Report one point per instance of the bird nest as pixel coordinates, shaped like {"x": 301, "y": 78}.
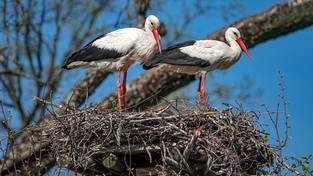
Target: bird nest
{"x": 211, "y": 142}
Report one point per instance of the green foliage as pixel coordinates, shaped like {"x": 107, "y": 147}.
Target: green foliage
{"x": 302, "y": 163}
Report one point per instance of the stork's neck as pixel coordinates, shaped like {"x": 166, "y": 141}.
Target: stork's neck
{"x": 148, "y": 31}
{"x": 235, "y": 50}
{"x": 147, "y": 28}
{"x": 233, "y": 44}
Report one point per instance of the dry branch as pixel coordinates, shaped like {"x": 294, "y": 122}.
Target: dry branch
{"x": 84, "y": 87}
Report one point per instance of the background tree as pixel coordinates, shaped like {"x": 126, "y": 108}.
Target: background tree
{"x": 37, "y": 34}
{"x": 30, "y": 57}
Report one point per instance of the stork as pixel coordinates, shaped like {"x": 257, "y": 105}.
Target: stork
{"x": 201, "y": 56}
{"x": 117, "y": 50}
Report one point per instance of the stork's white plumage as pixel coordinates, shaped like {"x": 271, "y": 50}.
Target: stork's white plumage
{"x": 117, "y": 50}
{"x": 201, "y": 56}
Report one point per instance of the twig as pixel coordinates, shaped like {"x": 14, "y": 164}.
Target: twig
{"x": 164, "y": 109}
{"x": 174, "y": 163}
{"x": 278, "y": 159}
{"x": 37, "y": 99}
{"x": 191, "y": 145}
{"x": 176, "y": 128}
{"x": 119, "y": 133}
{"x": 184, "y": 161}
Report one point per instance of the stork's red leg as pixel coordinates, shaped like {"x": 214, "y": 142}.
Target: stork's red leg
{"x": 118, "y": 86}
{"x": 203, "y": 78}
{"x": 199, "y": 91}
{"x": 124, "y": 90}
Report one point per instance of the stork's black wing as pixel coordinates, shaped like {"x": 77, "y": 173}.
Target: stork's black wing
{"x": 174, "y": 56}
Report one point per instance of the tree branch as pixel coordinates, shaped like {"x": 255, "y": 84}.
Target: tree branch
{"x": 84, "y": 87}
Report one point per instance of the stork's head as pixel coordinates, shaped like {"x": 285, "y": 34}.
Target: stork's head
{"x": 234, "y": 34}
{"x": 152, "y": 23}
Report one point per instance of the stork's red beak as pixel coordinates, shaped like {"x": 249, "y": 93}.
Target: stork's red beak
{"x": 157, "y": 39}
{"x": 243, "y": 47}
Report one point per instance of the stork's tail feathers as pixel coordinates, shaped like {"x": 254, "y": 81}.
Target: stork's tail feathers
{"x": 64, "y": 66}
{"x": 146, "y": 67}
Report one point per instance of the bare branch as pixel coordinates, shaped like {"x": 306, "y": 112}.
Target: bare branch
{"x": 84, "y": 87}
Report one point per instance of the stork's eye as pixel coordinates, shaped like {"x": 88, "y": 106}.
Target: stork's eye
{"x": 151, "y": 23}
{"x": 236, "y": 34}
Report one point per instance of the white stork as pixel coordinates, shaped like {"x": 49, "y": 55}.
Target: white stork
{"x": 201, "y": 56}
{"x": 117, "y": 50}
